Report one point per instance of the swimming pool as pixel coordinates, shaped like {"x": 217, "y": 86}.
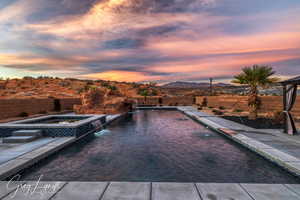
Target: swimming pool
{"x": 158, "y": 146}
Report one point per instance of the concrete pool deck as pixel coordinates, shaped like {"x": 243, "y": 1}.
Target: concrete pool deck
{"x": 146, "y": 191}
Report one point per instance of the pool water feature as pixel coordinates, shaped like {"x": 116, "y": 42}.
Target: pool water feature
{"x": 158, "y": 146}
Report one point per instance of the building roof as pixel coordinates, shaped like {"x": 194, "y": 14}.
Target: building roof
{"x": 295, "y": 80}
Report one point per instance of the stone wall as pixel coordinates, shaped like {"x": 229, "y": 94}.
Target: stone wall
{"x": 165, "y": 101}
{"x": 67, "y": 104}
{"x": 147, "y": 100}
{"x": 14, "y": 107}
{"x": 178, "y": 101}
{"x": 268, "y": 103}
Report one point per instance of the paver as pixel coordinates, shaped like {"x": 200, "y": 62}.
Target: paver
{"x": 174, "y": 191}
{"x": 222, "y": 191}
{"x": 36, "y": 191}
{"x": 127, "y": 191}
{"x": 294, "y": 187}
{"x": 255, "y": 144}
{"x": 8, "y": 187}
{"x": 270, "y": 192}
{"x": 81, "y": 190}
{"x": 19, "y": 139}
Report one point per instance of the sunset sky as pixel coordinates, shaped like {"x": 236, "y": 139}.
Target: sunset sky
{"x": 148, "y": 40}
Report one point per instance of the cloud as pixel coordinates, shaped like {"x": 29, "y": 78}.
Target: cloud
{"x": 121, "y": 76}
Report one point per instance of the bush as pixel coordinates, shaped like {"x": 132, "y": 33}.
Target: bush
{"x": 278, "y": 117}
{"x": 81, "y": 90}
{"x": 154, "y": 93}
{"x": 237, "y": 110}
{"x": 222, "y": 108}
{"x": 204, "y": 102}
{"x": 217, "y": 112}
{"x": 23, "y": 114}
{"x": 210, "y": 107}
{"x": 112, "y": 87}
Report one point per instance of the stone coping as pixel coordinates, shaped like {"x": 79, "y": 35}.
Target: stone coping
{"x": 146, "y": 191}
{"x": 17, "y": 124}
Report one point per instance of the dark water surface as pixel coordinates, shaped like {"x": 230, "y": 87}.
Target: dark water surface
{"x": 158, "y": 146}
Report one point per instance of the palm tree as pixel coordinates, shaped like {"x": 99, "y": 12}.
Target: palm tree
{"x": 254, "y": 77}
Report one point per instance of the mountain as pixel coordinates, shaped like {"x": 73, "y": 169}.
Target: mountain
{"x": 183, "y": 84}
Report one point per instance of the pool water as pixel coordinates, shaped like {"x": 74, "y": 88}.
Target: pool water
{"x": 158, "y": 146}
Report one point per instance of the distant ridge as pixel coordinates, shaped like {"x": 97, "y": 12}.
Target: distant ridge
{"x": 183, "y": 84}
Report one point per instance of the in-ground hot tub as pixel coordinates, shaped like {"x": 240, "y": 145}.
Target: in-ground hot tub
{"x": 56, "y": 125}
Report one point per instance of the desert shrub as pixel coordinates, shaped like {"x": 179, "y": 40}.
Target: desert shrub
{"x": 90, "y": 83}
{"x": 135, "y": 85}
{"x": 104, "y": 84}
{"x": 237, "y": 110}
{"x": 112, "y": 87}
{"x": 81, "y": 90}
{"x": 143, "y": 92}
{"x": 204, "y": 102}
{"x": 217, "y": 112}
{"x": 278, "y": 117}
{"x": 154, "y": 93}
{"x": 23, "y": 114}
{"x": 222, "y": 108}
{"x": 28, "y": 77}
{"x": 90, "y": 87}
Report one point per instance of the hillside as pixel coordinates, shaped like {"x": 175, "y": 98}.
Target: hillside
{"x": 48, "y": 87}
{"x": 182, "y": 84}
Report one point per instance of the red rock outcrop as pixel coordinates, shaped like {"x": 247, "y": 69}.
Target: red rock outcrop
{"x": 103, "y": 101}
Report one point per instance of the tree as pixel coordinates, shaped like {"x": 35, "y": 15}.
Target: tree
{"x": 255, "y": 77}
{"x": 144, "y": 93}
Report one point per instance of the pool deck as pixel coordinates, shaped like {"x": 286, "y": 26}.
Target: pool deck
{"x": 146, "y": 191}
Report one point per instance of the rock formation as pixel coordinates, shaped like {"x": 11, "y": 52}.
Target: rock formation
{"x": 103, "y": 101}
